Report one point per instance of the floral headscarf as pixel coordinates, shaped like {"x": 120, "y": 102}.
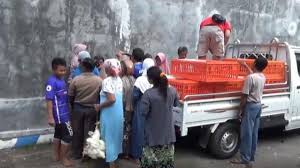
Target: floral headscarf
{"x": 114, "y": 65}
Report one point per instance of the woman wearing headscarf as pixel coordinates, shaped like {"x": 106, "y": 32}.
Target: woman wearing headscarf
{"x": 162, "y": 62}
{"x": 77, "y": 71}
{"x": 75, "y": 51}
{"x": 74, "y": 58}
{"x": 128, "y": 84}
{"x": 111, "y": 107}
{"x": 141, "y": 85}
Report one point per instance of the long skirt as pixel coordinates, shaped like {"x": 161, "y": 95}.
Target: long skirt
{"x": 158, "y": 157}
{"x": 137, "y": 134}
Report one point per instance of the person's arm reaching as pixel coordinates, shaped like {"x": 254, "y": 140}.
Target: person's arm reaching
{"x": 226, "y": 36}
{"x": 244, "y": 64}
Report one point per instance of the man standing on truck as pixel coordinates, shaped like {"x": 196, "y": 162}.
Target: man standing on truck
{"x": 213, "y": 36}
{"x": 250, "y": 111}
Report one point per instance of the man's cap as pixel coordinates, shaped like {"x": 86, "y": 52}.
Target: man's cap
{"x": 83, "y": 55}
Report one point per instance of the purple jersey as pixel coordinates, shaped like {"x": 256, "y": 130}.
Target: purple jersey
{"x": 138, "y": 69}
{"x": 56, "y": 91}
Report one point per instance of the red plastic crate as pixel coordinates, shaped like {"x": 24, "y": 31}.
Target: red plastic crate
{"x": 205, "y": 70}
{"x": 232, "y": 86}
{"x": 275, "y": 71}
{"x": 188, "y": 87}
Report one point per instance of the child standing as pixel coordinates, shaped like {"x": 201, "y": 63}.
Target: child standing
{"x": 182, "y": 52}
{"x": 58, "y": 111}
{"x": 250, "y": 111}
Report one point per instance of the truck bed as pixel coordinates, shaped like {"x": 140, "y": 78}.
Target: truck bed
{"x": 196, "y": 113}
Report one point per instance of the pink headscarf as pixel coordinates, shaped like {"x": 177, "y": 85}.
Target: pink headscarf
{"x": 76, "y": 50}
{"x": 164, "y": 63}
{"x": 114, "y": 65}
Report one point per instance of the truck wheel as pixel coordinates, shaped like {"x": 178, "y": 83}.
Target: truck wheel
{"x": 224, "y": 142}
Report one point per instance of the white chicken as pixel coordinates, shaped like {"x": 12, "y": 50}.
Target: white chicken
{"x": 94, "y": 147}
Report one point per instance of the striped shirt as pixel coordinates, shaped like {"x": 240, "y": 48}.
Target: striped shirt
{"x": 56, "y": 91}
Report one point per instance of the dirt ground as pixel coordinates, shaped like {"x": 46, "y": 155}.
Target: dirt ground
{"x": 275, "y": 150}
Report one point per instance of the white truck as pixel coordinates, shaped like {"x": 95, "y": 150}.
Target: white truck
{"x": 215, "y": 118}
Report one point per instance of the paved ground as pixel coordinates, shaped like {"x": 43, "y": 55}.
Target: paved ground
{"x": 276, "y": 150}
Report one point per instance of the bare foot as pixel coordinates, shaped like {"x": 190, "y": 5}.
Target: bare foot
{"x": 67, "y": 162}
{"x": 125, "y": 157}
{"x": 136, "y": 162}
{"x": 112, "y": 165}
{"x": 56, "y": 150}
{"x": 56, "y": 158}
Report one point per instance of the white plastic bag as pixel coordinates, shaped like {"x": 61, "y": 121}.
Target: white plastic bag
{"x": 94, "y": 147}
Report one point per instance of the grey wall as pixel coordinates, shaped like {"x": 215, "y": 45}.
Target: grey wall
{"x": 32, "y": 32}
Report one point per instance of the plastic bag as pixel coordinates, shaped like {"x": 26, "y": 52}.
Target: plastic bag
{"x": 94, "y": 147}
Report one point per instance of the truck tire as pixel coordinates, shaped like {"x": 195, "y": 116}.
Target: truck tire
{"x": 224, "y": 142}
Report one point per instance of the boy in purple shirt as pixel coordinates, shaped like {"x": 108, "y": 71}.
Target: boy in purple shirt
{"x": 58, "y": 111}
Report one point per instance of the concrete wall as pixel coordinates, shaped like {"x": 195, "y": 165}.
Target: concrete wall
{"x": 32, "y": 32}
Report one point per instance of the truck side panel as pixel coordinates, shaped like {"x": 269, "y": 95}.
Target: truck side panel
{"x": 213, "y": 111}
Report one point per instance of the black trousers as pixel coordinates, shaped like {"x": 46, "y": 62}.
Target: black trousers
{"x": 83, "y": 121}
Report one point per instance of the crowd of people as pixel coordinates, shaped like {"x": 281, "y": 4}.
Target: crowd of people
{"x": 128, "y": 94}
{"x": 131, "y": 97}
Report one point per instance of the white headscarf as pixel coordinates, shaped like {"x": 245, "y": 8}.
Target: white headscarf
{"x": 142, "y": 82}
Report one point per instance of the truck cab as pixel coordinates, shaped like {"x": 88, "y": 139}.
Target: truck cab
{"x": 293, "y": 116}
{"x": 214, "y": 117}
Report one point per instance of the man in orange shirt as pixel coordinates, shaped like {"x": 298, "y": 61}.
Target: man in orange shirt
{"x": 213, "y": 36}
